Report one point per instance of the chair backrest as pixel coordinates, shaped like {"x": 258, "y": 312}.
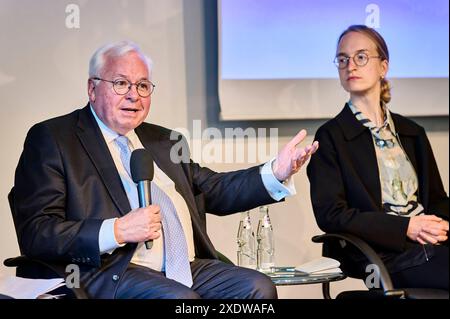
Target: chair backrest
{"x": 223, "y": 258}
{"x": 341, "y": 250}
{"x": 342, "y": 241}
{"x": 11, "y": 197}
{"x": 338, "y": 241}
{"x": 12, "y": 207}
{"x": 37, "y": 269}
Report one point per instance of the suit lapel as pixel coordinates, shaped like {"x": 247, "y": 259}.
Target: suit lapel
{"x": 364, "y": 157}
{"x": 362, "y": 152}
{"x": 159, "y": 147}
{"x": 407, "y": 135}
{"x": 95, "y": 146}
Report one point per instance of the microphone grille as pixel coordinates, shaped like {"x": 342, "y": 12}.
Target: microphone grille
{"x": 141, "y": 165}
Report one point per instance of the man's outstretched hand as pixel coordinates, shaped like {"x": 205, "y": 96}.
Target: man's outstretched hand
{"x": 291, "y": 158}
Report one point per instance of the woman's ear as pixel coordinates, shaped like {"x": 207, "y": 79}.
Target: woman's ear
{"x": 384, "y": 68}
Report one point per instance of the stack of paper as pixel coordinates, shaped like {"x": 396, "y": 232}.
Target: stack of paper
{"x": 322, "y": 265}
{"x": 24, "y": 288}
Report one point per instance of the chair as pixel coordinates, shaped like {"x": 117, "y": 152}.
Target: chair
{"x": 337, "y": 242}
{"x": 37, "y": 269}
{"x": 223, "y": 258}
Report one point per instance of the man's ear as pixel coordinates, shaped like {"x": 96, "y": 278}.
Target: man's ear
{"x": 91, "y": 90}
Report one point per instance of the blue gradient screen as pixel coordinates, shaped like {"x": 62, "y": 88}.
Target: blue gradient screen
{"x": 296, "y": 39}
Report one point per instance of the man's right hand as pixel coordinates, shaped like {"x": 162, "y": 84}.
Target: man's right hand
{"x": 427, "y": 229}
{"x": 139, "y": 225}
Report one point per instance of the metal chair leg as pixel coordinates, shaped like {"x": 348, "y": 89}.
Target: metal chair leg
{"x": 326, "y": 290}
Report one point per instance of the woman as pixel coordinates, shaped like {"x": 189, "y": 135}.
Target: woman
{"x": 382, "y": 181}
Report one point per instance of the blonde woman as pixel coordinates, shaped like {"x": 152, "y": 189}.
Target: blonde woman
{"x": 382, "y": 181}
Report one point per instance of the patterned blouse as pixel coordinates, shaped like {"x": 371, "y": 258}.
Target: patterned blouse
{"x": 398, "y": 178}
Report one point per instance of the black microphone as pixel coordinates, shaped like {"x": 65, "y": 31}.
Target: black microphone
{"x": 141, "y": 169}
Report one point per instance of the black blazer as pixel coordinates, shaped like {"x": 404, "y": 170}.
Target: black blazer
{"x": 66, "y": 184}
{"x": 346, "y": 190}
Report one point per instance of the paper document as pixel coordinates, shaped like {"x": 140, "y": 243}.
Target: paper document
{"x": 322, "y": 265}
{"x": 24, "y": 288}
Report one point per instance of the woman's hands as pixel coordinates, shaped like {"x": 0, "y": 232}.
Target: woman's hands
{"x": 427, "y": 229}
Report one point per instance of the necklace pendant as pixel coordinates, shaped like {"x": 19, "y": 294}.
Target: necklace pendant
{"x": 381, "y": 143}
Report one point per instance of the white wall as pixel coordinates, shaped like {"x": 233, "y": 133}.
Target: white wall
{"x": 44, "y": 69}
{"x": 43, "y": 73}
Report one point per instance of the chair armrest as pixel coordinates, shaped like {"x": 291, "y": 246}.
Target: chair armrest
{"x": 223, "y": 258}
{"x": 24, "y": 261}
{"x": 369, "y": 253}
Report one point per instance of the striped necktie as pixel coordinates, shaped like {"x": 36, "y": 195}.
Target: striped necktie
{"x": 125, "y": 152}
{"x": 175, "y": 246}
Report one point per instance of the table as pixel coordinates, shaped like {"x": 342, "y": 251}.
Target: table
{"x": 287, "y": 276}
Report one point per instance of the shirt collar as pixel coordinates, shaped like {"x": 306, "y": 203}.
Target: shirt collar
{"x": 388, "y": 122}
{"x": 109, "y": 134}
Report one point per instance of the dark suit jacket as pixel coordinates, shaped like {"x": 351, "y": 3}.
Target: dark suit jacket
{"x": 346, "y": 190}
{"x": 66, "y": 184}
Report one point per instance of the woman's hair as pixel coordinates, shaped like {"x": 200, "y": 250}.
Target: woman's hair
{"x": 117, "y": 49}
{"x": 382, "y": 50}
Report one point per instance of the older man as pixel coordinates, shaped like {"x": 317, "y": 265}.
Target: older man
{"x": 75, "y": 201}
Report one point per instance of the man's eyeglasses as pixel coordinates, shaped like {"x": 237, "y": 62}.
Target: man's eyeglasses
{"x": 360, "y": 59}
{"x": 122, "y": 86}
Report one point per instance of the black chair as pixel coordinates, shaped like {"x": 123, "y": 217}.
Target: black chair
{"x": 223, "y": 258}
{"x": 337, "y": 242}
{"x": 37, "y": 269}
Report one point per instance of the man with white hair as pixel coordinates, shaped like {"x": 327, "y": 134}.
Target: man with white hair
{"x": 75, "y": 201}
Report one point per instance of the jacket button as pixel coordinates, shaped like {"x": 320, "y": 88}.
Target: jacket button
{"x": 115, "y": 277}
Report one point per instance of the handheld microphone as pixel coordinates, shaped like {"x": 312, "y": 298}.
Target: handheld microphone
{"x": 141, "y": 169}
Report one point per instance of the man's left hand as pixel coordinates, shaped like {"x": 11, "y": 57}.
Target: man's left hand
{"x": 290, "y": 159}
